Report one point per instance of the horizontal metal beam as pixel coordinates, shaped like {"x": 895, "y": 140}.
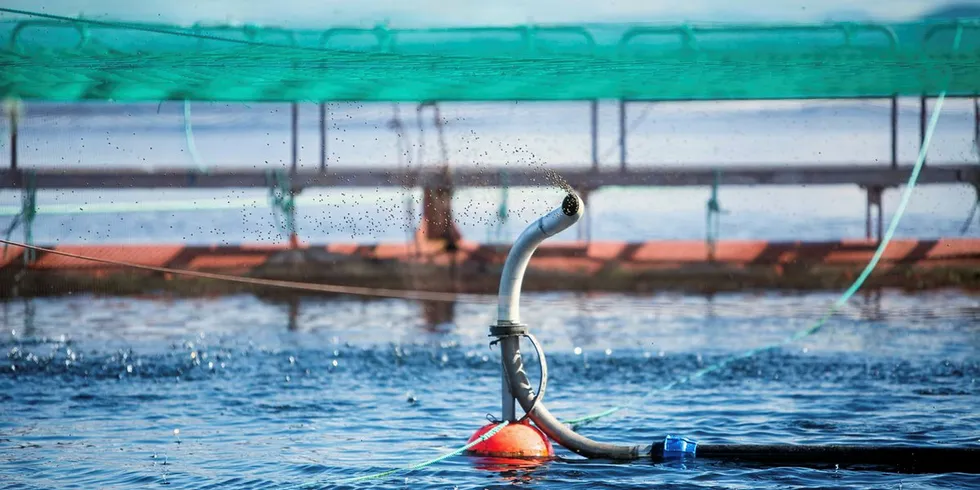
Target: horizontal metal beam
{"x": 578, "y": 176}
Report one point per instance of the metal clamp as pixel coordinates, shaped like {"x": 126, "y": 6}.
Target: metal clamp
{"x": 502, "y": 330}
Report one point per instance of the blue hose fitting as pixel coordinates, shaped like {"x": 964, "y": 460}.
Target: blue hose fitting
{"x": 675, "y": 447}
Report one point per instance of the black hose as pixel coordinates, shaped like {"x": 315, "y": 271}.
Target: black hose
{"x": 543, "y": 383}
{"x": 906, "y": 459}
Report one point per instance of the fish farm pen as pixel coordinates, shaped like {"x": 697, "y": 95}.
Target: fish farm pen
{"x": 910, "y": 60}
{"x": 51, "y": 63}
{"x": 444, "y": 260}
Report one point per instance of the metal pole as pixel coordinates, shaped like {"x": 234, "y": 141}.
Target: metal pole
{"x": 894, "y": 131}
{"x": 13, "y": 137}
{"x": 922, "y": 124}
{"x": 867, "y": 215}
{"x": 881, "y": 214}
{"x": 595, "y": 135}
{"x": 293, "y": 238}
{"x": 508, "y": 407}
{"x": 511, "y": 280}
{"x": 323, "y": 137}
{"x": 622, "y": 135}
{"x": 437, "y": 120}
{"x": 976, "y": 125}
{"x": 295, "y": 131}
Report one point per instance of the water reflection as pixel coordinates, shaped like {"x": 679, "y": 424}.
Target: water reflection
{"x": 438, "y": 316}
{"x": 293, "y": 313}
{"x": 583, "y": 324}
{"x": 871, "y": 306}
{"x": 30, "y": 327}
{"x": 709, "y": 310}
{"x": 511, "y": 470}
{"x": 28, "y": 324}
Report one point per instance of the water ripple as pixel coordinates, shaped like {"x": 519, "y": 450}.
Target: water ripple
{"x": 210, "y": 402}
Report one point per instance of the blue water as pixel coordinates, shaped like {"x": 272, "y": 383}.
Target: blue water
{"x": 223, "y": 392}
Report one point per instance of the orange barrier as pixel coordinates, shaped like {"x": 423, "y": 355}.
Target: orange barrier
{"x": 578, "y": 258}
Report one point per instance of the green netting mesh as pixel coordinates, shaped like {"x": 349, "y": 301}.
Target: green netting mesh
{"x": 56, "y": 58}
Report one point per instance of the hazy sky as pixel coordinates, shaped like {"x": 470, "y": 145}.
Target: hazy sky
{"x": 462, "y": 12}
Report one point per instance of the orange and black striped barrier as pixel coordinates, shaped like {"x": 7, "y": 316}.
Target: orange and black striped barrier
{"x": 474, "y": 268}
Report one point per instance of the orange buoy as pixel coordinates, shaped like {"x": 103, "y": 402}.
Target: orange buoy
{"x": 516, "y": 440}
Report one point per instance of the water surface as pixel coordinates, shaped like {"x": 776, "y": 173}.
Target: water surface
{"x": 228, "y": 392}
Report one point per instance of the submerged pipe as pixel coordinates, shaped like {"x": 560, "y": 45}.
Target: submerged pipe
{"x": 516, "y": 385}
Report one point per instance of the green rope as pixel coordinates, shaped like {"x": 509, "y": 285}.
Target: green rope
{"x": 973, "y": 211}
{"x": 906, "y": 195}
{"x": 283, "y": 201}
{"x": 28, "y": 211}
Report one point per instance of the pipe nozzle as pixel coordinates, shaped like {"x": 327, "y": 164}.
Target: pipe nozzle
{"x": 571, "y": 205}
{"x": 558, "y": 220}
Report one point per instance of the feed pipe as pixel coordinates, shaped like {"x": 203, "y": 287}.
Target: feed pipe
{"x": 508, "y": 329}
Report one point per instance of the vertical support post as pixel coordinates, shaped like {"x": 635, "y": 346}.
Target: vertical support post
{"x": 437, "y": 225}
{"x": 881, "y": 215}
{"x": 28, "y": 211}
{"x": 437, "y": 121}
{"x": 874, "y": 200}
{"x": 437, "y": 194}
{"x": 622, "y": 135}
{"x": 922, "y": 123}
{"x": 14, "y": 116}
{"x": 507, "y": 402}
{"x": 713, "y": 218}
{"x": 323, "y": 137}
{"x": 294, "y": 166}
{"x": 595, "y": 134}
{"x": 867, "y": 215}
{"x": 976, "y": 125}
{"x": 294, "y": 113}
{"x": 894, "y": 131}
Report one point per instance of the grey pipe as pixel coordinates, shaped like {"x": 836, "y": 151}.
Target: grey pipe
{"x": 557, "y": 431}
{"x": 516, "y": 385}
{"x": 509, "y": 294}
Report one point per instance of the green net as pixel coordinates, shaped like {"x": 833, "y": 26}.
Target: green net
{"x": 56, "y": 58}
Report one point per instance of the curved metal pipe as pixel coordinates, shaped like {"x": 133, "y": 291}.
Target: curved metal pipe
{"x": 512, "y": 277}
{"x": 508, "y": 314}
{"x": 551, "y": 224}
